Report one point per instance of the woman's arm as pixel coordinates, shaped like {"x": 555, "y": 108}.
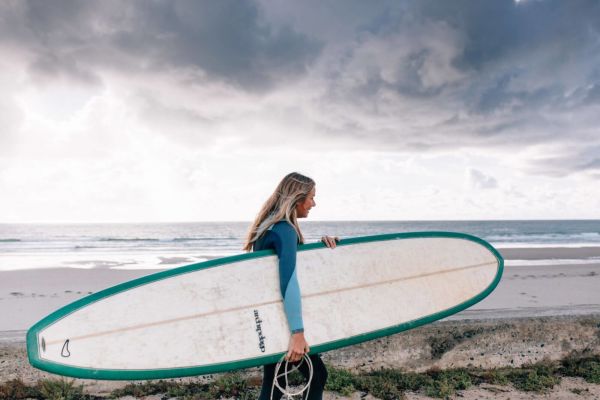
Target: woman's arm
{"x": 286, "y": 244}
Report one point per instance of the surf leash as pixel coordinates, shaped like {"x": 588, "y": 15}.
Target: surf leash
{"x": 287, "y": 391}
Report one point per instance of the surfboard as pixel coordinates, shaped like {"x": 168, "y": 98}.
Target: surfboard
{"x": 227, "y": 313}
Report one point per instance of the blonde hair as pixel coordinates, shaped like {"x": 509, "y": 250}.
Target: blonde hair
{"x": 281, "y": 205}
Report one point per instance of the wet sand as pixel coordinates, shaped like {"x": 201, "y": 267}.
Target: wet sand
{"x": 541, "y": 253}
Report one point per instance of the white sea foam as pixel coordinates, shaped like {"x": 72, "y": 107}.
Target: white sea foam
{"x": 22, "y": 261}
{"x": 159, "y": 246}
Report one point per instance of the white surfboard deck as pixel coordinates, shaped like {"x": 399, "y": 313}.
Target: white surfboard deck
{"x": 228, "y": 313}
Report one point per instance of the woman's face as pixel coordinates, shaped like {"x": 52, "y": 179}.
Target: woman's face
{"x": 303, "y": 207}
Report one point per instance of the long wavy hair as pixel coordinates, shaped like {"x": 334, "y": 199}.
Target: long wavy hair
{"x": 281, "y": 205}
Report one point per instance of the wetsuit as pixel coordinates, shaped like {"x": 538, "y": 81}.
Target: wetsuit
{"x": 282, "y": 238}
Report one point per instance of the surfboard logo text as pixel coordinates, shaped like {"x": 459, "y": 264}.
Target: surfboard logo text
{"x": 261, "y": 338}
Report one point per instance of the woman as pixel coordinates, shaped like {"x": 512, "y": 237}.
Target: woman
{"x": 276, "y": 227}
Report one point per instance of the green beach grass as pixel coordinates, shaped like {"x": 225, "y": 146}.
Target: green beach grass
{"x": 386, "y": 384}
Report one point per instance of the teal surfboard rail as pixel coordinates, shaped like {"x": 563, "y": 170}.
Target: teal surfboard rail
{"x": 115, "y": 374}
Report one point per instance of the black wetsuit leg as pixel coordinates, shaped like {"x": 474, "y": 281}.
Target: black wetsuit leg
{"x": 317, "y": 385}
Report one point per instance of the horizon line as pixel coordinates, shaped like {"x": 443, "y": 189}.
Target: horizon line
{"x": 309, "y": 221}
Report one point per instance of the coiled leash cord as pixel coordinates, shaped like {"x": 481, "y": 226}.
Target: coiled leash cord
{"x": 287, "y": 393}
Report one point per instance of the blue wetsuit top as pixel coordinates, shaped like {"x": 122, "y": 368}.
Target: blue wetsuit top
{"x": 282, "y": 238}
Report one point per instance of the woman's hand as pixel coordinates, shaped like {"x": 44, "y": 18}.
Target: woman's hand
{"x": 297, "y": 348}
{"x": 330, "y": 241}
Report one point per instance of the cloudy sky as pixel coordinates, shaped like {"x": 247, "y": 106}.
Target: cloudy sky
{"x": 115, "y": 111}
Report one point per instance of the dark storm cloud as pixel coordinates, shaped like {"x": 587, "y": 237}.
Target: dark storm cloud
{"x": 526, "y": 56}
{"x": 512, "y": 74}
{"x": 502, "y": 43}
{"x": 414, "y": 76}
{"x": 593, "y": 93}
{"x": 227, "y": 40}
{"x": 500, "y": 96}
{"x": 498, "y": 29}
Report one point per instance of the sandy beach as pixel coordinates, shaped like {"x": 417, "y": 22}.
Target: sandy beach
{"x": 531, "y": 290}
{"x": 537, "y": 312}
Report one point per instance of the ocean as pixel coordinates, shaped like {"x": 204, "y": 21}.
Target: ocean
{"x": 168, "y": 245}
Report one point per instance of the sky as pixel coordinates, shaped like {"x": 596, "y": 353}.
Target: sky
{"x": 163, "y": 111}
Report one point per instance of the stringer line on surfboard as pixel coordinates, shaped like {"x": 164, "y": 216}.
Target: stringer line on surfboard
{"x": 233, "y": 309}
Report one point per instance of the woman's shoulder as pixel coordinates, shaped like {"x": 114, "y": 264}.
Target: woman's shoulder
{"x": 285, "y": 228}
